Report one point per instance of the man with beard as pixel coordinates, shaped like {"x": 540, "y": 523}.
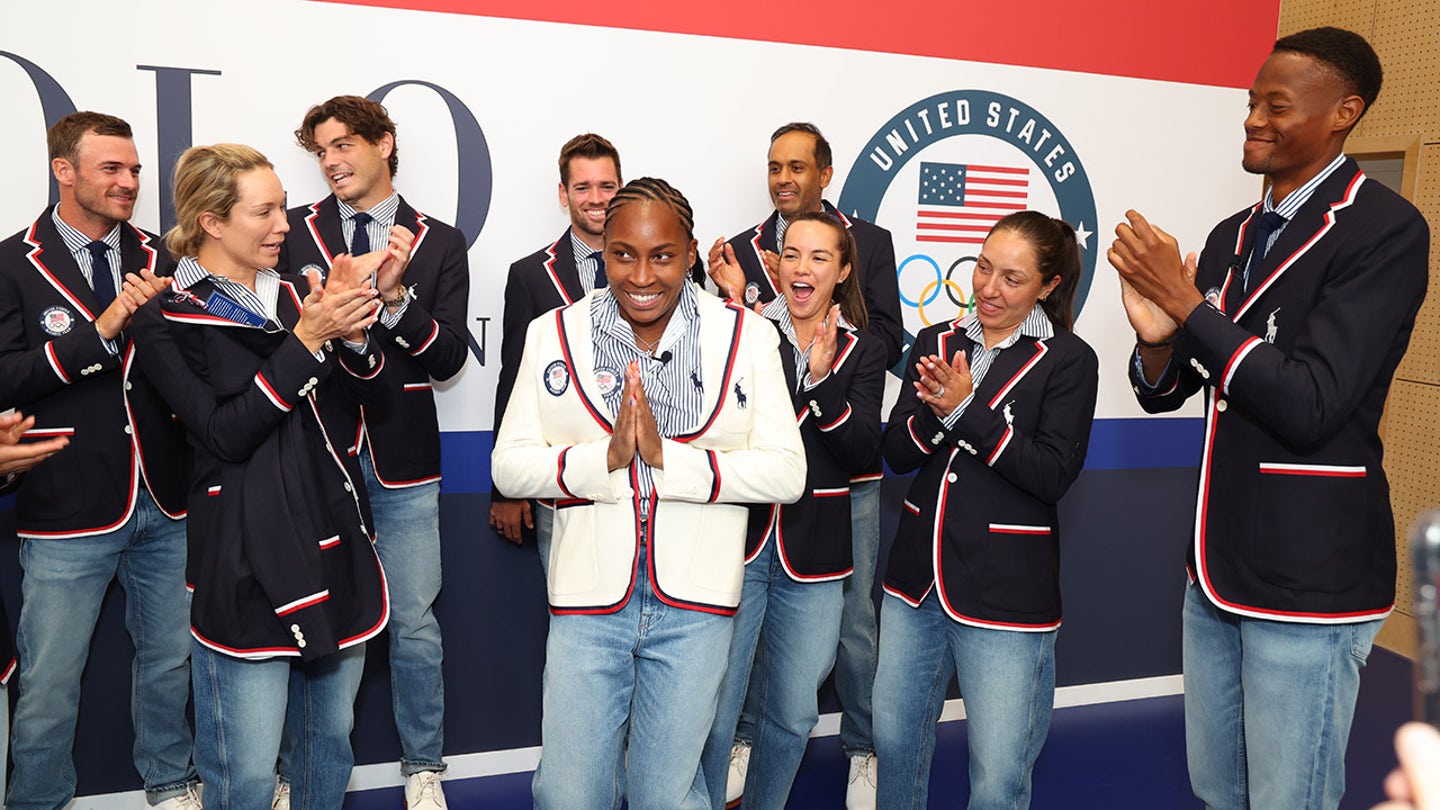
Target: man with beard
{"x": 111, "y": 504}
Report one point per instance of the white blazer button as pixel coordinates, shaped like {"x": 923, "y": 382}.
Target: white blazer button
{"x": 952, "y": 478}
{"x": 1221, "y": 405}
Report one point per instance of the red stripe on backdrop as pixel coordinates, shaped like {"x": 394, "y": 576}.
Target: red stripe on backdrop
{"x": 1220, "y": 42}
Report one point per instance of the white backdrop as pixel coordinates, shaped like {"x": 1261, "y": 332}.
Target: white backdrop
{"x": 695, "y": 110}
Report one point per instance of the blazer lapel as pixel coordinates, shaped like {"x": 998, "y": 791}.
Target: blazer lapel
{"x": 322, "y": 227}
{"x": 136, "y": 252}
{"x": 409, "y": 218}
{"x": 1310, "y": 224}
{"x": 51, "y": 257}
{"x": 562, "y": 268}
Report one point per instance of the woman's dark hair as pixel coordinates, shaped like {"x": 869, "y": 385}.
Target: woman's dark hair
{"x": 847, "y": 292}
{"x": 1056, "y": 254}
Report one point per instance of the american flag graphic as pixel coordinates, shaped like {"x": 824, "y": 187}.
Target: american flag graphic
{"x": 959, "y": 202}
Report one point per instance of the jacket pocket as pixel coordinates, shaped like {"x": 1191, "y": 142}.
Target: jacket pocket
{"x": 1022, "y": 568}
{"x": 1311, "y": 526}
{"x": 573, "y": 567}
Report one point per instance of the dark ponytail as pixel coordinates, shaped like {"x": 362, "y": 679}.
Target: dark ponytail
{"x": 1057, "y": 253}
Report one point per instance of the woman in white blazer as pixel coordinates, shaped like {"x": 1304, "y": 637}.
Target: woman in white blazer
{"x": 649, "y": 411}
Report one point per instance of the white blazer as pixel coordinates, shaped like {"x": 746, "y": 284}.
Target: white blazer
{"x": 747, "y": 449}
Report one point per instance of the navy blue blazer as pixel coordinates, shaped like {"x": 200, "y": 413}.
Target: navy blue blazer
{"x": 840, "y": 425}
{"x": 281, "y": 558}
{"x": 543, "y": 281}
{"x": 431, "y": 341}
{"x": 54, "y": 367}
{"x": 980, "y": 518}
{"x": 1294, "y": 519}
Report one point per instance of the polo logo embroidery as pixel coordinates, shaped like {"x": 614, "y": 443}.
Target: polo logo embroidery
{"x": 557, "y": 378}
{"x": 1009, "y": 417}
{"x": 1271, "y": 330}
{"x": 695, "y": 380}
{"x": 740, "y": 400}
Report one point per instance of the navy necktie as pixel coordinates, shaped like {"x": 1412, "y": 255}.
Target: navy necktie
{"x": 1269, "y": 223}
{"x": 600, "y": 278}
{"x": 102, "y": 279}
{"x": 360, "y": 241}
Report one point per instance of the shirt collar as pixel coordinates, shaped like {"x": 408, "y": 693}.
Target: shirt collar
{"x": 582, "y": 250}
{"x": 779, "y": 312}
{"x": 189, "y": 272}
{"x": 77, "y": 241}
{"x": 1301, "y": 195}
{"x": 1036, "y": 325}
{"x": 383, "y": 212}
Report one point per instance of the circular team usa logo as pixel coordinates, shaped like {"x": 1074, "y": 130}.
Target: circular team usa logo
{"x": 607, "y": 380}
{"x": 557, "y": 378}
{"x": 944, "y": 170}
{"x": 57, "y": 321}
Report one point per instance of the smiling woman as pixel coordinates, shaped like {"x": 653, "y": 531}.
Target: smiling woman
{"x": 650, "y": 410}
{"x": 286, "y": 584}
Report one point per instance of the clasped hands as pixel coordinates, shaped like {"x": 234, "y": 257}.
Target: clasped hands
{"x": 943, "y": 386}
{"x": 1157, "y": 287}
{"x": 635, "y": 430}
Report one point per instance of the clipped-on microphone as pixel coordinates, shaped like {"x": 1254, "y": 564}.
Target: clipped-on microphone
{"x": 665, "y": 358}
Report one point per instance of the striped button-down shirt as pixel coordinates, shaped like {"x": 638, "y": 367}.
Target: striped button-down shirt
{"x": 79, "y": 246}
{"x": 585, "y": 262}
{"x": 779, "y": 312}
{"x": 382, "y": 219}
{"x": 1036, "y": 325}
{"x": 1292, "y": 202}
{"x": 670, "y": 374}
{"x": 261, "y": 301}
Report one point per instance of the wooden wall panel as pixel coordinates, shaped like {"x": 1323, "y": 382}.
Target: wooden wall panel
{"x": 1422, "y": 361}
{"x": 1406, "y": 35}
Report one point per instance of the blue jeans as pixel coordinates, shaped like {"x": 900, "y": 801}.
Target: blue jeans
{"x": 1268, "y": 706}
{"x": 798, "y": 626}
{"x": 855, "y": 660}
{"x": 650, "y": 670}
{"x": 243, "y": 711}
{"x": 407, "y": 527}
{"x": 61, "y": 590}
{"x": 855, "y": 663}
{"x": 1007, "y": 679}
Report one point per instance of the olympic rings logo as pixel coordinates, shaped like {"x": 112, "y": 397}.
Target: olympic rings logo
{"x": 942, "y": 281}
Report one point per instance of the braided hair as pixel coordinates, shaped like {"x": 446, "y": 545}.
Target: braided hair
{"x": 653, "y": 189}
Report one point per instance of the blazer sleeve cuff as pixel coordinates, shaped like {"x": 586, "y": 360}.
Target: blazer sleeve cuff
{"x": 1216, "y": 346}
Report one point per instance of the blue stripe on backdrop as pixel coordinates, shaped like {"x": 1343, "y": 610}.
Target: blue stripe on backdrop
{"x": 1115, "y": 444}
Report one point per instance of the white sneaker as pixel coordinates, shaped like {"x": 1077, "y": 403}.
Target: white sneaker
{"x": 189, "y": 800}
{"x": 861, "y": 793}
{"x": 422, "y": 791}
{"x": 282, "y": 795}
{"x": 735, "y": 780}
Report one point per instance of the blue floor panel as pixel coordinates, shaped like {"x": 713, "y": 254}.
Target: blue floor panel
{"x": 1112, "y": 756}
